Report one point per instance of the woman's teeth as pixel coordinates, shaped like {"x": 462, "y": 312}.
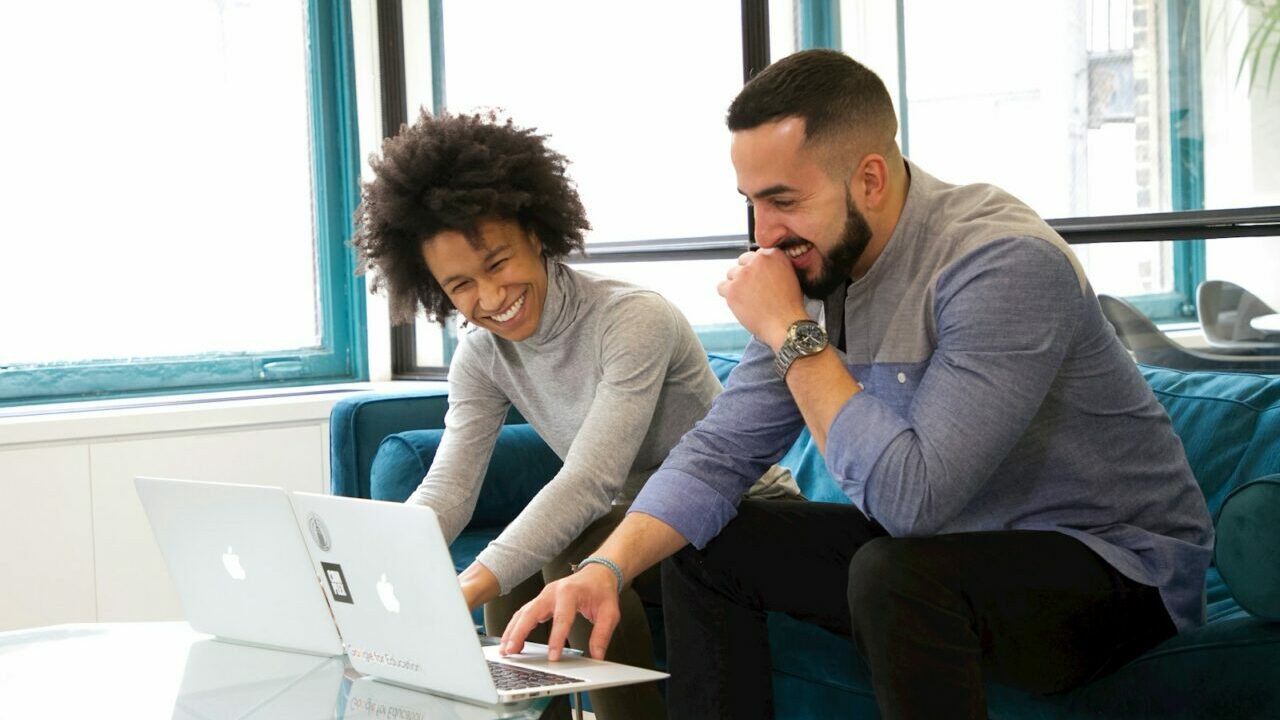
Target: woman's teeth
{"x": 511, "y": 311}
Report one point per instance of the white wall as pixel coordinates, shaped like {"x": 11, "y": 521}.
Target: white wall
{"x": 77, "y": 546}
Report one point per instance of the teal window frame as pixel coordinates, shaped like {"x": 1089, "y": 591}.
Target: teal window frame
{"x": 818, "y": 26}
{"x": 342, "y": 353}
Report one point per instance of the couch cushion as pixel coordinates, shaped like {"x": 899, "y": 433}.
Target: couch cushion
{"x": 1248, "y": 539}
{"x": 521, "y": 464}
{"x": 722, "y": 364}
{"x": 809, "y": 468}
{"x": 1229, "y": 424}
{"x": 1227, "y": 669}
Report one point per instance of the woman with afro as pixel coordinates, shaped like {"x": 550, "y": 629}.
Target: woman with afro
{"x": 474, "y": 215}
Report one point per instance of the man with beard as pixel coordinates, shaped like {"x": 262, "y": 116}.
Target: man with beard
{"x": 1022, "y": 511}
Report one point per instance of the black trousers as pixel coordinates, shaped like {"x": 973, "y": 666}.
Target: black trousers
{"x": 934, "y": 618}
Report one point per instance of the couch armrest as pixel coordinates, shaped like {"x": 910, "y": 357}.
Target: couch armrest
{"x": 1248, "y": 535}
{"x": 358, "y": 424}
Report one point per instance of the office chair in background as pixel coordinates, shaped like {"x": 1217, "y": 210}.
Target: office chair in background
{"x": 1225, "y": 310}
{"x": 1150, "y": 346}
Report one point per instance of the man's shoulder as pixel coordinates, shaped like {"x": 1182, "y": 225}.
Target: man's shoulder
{"x": 976, "y": 221}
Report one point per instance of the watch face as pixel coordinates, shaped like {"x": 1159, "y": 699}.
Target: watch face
{"x": 810, "y": 338}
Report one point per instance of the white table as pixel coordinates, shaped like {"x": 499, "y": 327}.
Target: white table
{"x": 1269, "y": 324}
{"x": 168, "y": 671}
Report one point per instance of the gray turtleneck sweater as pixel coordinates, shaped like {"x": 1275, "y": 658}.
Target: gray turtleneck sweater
{"x": 611, "y": 380}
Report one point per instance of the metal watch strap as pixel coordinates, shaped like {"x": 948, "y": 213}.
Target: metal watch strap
{"x": 793, "y": 349}
{"x": 782, "y": 361}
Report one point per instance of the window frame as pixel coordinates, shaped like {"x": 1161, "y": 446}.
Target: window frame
{"x": 1188, "y": 225}
{"x": 341, "y": 355}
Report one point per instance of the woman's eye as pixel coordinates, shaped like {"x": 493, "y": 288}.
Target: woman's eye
{"x": 459, "y": 287}
{"x": 498, "y": 265}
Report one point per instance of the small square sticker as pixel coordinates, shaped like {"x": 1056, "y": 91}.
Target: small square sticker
{"x": 338, "y": 588}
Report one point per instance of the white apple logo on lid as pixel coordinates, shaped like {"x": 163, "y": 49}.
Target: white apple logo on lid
{"x": 387, "y": 594}
{"x": 231, "y": 562}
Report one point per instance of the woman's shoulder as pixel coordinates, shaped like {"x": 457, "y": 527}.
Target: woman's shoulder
{"x": 474, "y": 353}
{"x": 604, "y": 289}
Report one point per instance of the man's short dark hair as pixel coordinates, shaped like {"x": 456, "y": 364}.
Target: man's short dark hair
{"x": 833, "y": 93}
{"x": 449, "y": 173}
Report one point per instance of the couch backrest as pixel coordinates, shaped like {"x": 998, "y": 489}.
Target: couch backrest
{"x": 1229, "y": 424}
{"x": 377, "y": 455}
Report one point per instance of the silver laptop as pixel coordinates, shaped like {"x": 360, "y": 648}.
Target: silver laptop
{"x": 241, "y": 569}
{"x": 226, "y": 681}
{"x": 394, "y": 592}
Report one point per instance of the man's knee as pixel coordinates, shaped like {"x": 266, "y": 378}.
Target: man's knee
{"x": 887, "y": 570}
{"x": 871, "y": 575}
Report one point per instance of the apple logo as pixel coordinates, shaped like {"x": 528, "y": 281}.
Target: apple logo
{"x": 231, "y": 562}
{"x": 387, "y": 594}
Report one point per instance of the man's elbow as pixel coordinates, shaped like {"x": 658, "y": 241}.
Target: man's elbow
{"x": 909, "y": 508}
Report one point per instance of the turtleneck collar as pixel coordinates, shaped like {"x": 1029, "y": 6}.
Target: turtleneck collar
{"x": 560, "y": 308}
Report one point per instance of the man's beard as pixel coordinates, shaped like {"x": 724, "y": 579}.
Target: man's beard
{"x": 838, "y": 265}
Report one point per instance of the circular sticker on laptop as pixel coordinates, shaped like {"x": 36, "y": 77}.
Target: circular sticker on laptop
{"x": 319, "y": 532}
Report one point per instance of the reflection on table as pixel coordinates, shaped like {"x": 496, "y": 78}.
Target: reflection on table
{"x": 168, "y": 671}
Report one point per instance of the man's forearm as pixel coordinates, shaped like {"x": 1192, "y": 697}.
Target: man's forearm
{"x": 639, "y": 542}
{"x": 821, "y": 385}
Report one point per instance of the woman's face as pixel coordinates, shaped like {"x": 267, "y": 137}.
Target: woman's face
{"x": 500, "y": 285}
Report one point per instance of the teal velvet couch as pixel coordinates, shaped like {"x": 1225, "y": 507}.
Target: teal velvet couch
{"x": 1230, "y": 668}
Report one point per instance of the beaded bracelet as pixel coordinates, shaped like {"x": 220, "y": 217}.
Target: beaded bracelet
{"x": 597, "y": 560}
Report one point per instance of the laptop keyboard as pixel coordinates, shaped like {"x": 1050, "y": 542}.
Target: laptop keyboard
{"x": 512, "y": 677}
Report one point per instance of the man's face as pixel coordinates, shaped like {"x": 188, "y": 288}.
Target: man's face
{"x": 798, "y": 207}
{"x": 501, "y": 285}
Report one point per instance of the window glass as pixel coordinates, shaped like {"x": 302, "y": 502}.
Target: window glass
{"x": 1236, "y": 327}
{"x": 1094, "y": 108}
{"x": 691, "y": 286}
{"x": 158, "y": 183}
{"x": 1083, "y": 111}
{"x": 633, "y": 94}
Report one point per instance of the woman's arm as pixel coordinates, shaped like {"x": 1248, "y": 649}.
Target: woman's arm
{"x": 476, "y": 411}
{"x": 637, "y": 338}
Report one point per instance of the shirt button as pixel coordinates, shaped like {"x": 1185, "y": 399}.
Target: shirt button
{"x": 902, "y": 378}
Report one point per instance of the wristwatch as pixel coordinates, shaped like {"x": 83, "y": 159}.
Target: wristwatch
{"x": 804, "y": 338}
